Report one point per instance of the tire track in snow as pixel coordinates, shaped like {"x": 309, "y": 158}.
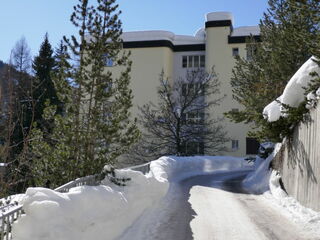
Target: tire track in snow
{"x": 228, "y": 213}
{"x": 220, "y": 211}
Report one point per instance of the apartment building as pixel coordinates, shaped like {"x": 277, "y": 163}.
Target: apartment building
{"x": 215, "y": 44}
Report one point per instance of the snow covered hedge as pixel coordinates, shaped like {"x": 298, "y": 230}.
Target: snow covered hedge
{"x": 178, "y": 168}
{"x": 106, "y": 211}
{"x": 87, "y": 212}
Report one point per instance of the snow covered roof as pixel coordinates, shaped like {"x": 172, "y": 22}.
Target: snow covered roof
{"x": 154, "y": 35}
{"x": 246, "y": 31}
{"x": 147, "y": 35}
{"x": 198, "y": 38}
{"x": 219, "y": 16}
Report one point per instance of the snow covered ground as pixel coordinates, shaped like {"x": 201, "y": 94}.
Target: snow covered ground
{"x": 266, "y": 182}
{"x": 94, "y": 212}
{"x": 233, "y": 215}
{"x": 180, "y": 199}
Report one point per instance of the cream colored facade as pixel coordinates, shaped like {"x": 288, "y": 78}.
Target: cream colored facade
{"x": 154, "y": 51}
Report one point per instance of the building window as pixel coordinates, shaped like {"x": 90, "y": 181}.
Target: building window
{"x": 202, "y": 61}
{"x": 252, "y": 146}
{"x": 235, "y": 144}
{"x": 235, "y": 52}
{"x": 194, "y": 61}
{"x": 193, "y": 117}
{"x": 184, "y": 61}
{"x": 193, "y": 148}
{"x": 190, "y": 89}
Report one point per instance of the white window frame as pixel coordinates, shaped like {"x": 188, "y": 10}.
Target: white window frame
{"x": 235, "y": 51}
{"x": 194, "y": 117}
{"x": 191, "y": 88}
{"x": 187, "y": 145}
{"x": 193, "y": 61}
{"x": 234, "y": 144}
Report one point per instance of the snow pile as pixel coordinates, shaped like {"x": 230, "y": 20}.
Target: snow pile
{"x": 94, "y": 212}
{"x": 88, "y": 212}
{"x": 12, "y": 199}
{"x": 272, "y": 111}
{"x": 293, "y": 93}
{"x": 177, "y": 168}
{"x": 305, "y": 217}
{"x": 263, "y": 180}
{"x": 258, "y": 181}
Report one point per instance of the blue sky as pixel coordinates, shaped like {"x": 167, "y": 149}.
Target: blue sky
{"x": 33, "y": 18}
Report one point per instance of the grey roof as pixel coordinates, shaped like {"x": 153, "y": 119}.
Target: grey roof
{"x": 246, "y": 31}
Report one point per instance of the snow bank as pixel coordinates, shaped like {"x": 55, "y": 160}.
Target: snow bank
{"x": 12, "y": 199}
{"x": 107, "y": 211}
{"x": 257, "y": 182}
{"x": 87, "y": 212}
{"x": 94, "y": 212}
{"x": 267, "y": 182}
{"x": 293, "y": 94}
{"x": 178, "y": 168}
{"x": 290, "y": 207}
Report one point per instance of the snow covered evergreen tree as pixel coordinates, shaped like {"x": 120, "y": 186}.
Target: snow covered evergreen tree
{"x": 182, "y": 123}
{"x": 289, "y": 33}
{"x": 96, "y": 127}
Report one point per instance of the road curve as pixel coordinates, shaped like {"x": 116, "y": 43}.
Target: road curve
{"x": 213, "y": 207}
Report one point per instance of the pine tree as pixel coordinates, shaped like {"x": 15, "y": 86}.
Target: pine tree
{"x": 289, "y": 32}
{"x": 96, "y": 127}
{"x": 43, "y": 86}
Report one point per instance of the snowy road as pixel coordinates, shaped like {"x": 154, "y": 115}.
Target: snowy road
{"x": 234, "y": 215}
{"x": 213, "y": 207}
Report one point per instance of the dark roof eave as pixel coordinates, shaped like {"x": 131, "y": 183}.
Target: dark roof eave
{"x": 242, "y": 39}
{"x": 164, "y": 43}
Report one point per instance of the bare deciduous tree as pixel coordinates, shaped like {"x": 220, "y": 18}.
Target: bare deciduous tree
{"x": 182, "y": 122}
{"x": 21, "y": 56}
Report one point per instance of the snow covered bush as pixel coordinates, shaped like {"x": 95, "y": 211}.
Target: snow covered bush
{"x": 88, "y": 212}
{"x": 299, "y": 95}
{"x": 295, "y": 91}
